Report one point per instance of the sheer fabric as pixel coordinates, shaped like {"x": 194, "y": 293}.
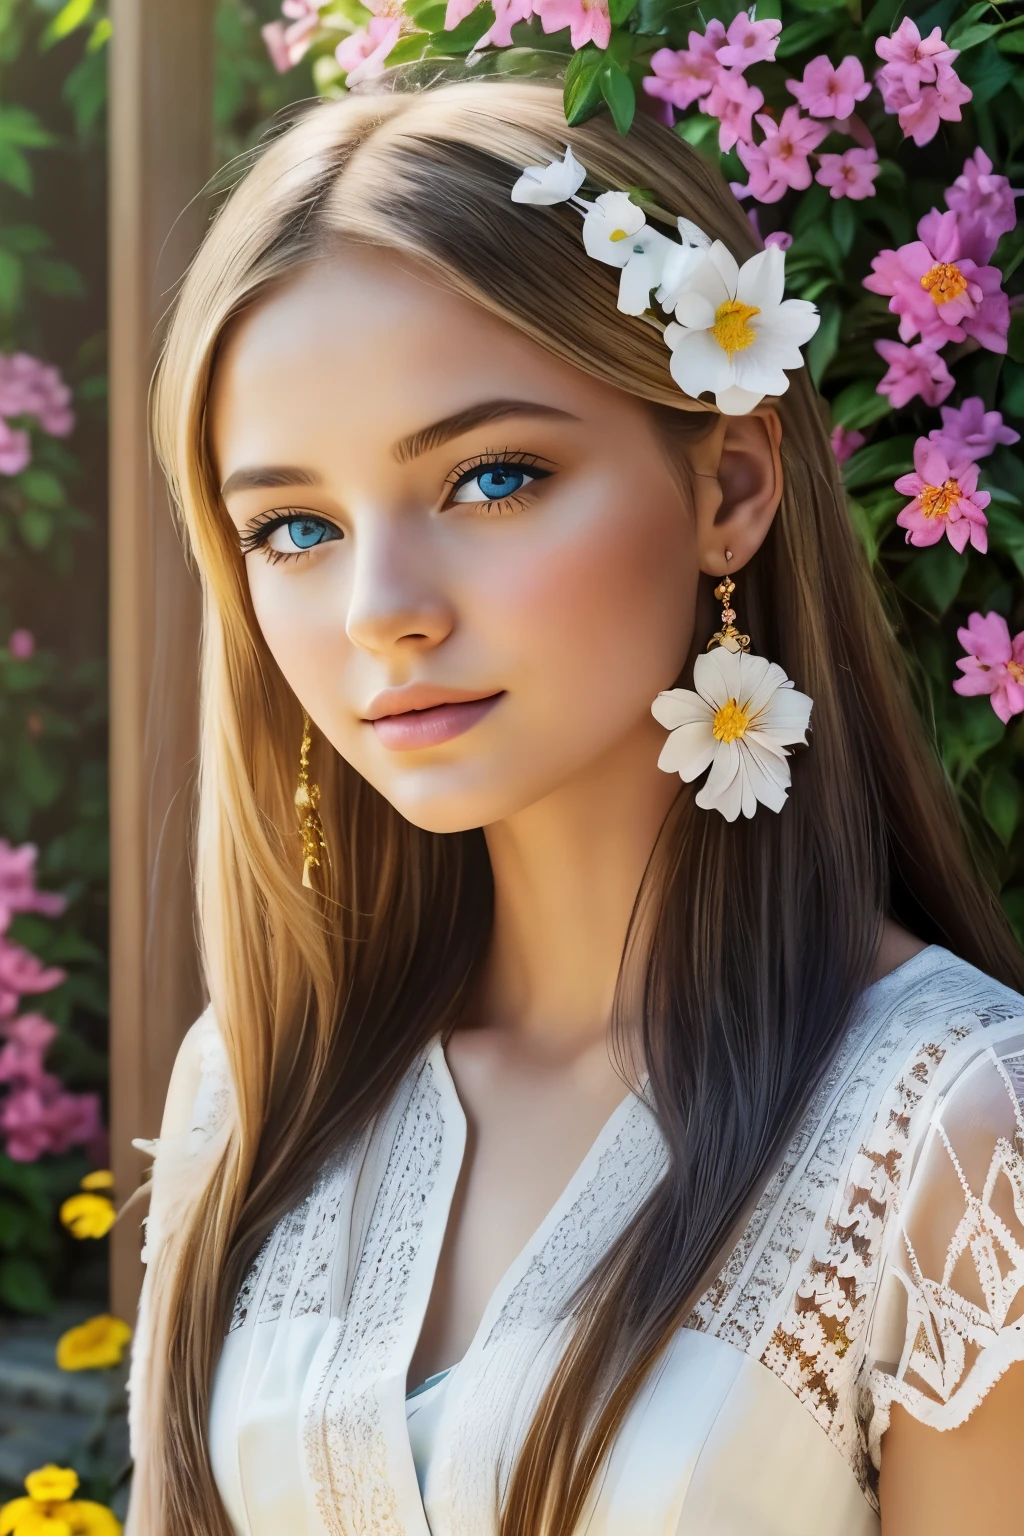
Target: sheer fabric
{"x": 883, "y": 1263}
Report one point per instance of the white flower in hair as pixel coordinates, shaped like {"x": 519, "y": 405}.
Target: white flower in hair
{"x": 734, "y": 334}
{"x": 741, "y": 719}
{"x": 616, "y": 232}
{"x": 547, "y": 184}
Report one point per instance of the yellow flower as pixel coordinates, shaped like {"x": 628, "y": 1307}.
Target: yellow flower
{"x": 51, "y": 1484}
{"x": 94, "y": 1344}
{"x": 87, "y": 1216}
{"x": 50, "y": 1510}
{"x": 100, "y": 1178}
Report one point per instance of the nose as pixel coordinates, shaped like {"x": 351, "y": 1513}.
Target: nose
{"x": 396, "y": 598}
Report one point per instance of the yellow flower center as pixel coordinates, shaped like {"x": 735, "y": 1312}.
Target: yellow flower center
{"x": 732, "y": 329}
{"x": 730, "y": 722}
{"x": 944, "y": 282}
{"x": 936, "y": 500}
{"x": 51, "y": 1484}
{"x": 1016, "y": 671}
{"x": 619, "y": 234}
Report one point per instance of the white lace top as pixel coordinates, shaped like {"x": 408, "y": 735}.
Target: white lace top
{"x": 883, "y": 1263}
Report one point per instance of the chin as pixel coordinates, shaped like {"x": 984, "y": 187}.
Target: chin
{"x": 458, "y": 800}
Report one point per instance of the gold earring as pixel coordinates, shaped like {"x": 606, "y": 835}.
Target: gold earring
{"x": 307, "y": 799}
{"x": 728, "y": 636}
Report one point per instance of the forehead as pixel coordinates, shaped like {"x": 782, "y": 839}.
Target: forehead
{"x": 361, "y": 349}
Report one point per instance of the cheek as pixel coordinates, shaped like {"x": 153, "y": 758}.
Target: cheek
{"x": 301, "y": 614}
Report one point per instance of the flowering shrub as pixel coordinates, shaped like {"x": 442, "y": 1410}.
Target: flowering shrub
{"x": 878, "y": 144}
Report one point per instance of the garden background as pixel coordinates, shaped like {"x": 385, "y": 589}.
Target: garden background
{"x": 835, "y": 162}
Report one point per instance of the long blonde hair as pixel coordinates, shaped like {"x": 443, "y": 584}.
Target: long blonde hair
{"x": 746, "y": 984}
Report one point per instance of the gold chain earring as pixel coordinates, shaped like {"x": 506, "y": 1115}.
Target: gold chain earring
{"x": 728, "y": 635}
{"x": 307, "y": 799}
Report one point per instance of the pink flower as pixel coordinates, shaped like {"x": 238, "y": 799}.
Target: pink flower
{"x": 749, "y": 41}
{"x": 980, "y": 195}
{"x": 682, "y": 76}
{"x": 21, "y": 644}
{"x": 22, "y": 1057}
{"x": 851, "y": 174}
{"x": 921, "y": 110}
{"x": 780, "y": 238}
{"x": 971, "y": 432}
{"x": 15, "y": 449}
{"x": 845, "y": 444}
{"x": 911, "y": 57}
{"x": 362, "y": 54}
{"x": 39, "y": 1121}
{"x": 17, "y": 885}
{"x": 588, "y": 20}
{"x": 827, "y": 91}
{"x": 29, "y": 388}
{"x": 946, "y": 500}
{"x": 937, "y": 291}
{"x": 734, "y": 103}
{"x": 21, "y": 973}
{"x": 916, "y": 370}
{"x": 994, "y": 664}
{"x": 780, "y": 160}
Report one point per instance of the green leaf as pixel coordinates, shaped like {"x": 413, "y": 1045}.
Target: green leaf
{"x": 100, "y": 35}
{"x": 986, "y": 71}
{"x": 858, "y": 405}
{"x": 1015, "y": 336}
{"x": 970, "y": 16}
{"x": 804, "y": 34}
{"x": 1001, "y": 798}
{"x": 59, "y": 279}
{"x": 42, "y": 486}
{"x": 23, "y": 1286}
{"x": 844, "y": 224}
{"x": 12, "y": 1224}
{"x": 85, "y": 91}
{"x": 879, "y": 461}
{"x": 1011, "y": 42}
{"x": 583, "y": 94}
{"x": 1006, "y": 532}
{"x": 824, "y": 344}
{"x": 19, "y": 126}
{"x": 621, "y": 10}
{"x": 970, "y": 37}
{"x": 934, "y": 576}
{"x": 36, "y": 527}
{"x": 11, "y": 273}
{"x": 820, "y": 5}
{"x": 15, "y": 169}
{"x": 617, "y": 90}
{"x": 67, "y": 20}
{"x": 24, "y": 239}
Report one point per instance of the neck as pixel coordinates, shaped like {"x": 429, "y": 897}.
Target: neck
{"x": 566, "y": 874}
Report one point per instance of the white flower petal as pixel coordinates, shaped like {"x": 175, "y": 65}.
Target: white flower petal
{"x": 610, "y": 222}
{"x": 739, "y": 402}
{"x": 787, "y": 717}
{"x": 759, "y": 377}
{"x": 762, "y": 279}
{"x": 726, "y": 265}
{"x": 547, "y": 184}
{"x": 793, "y": 322}
{"x": 692, "y": 234}
{"x": 681, "y": 261}
{"x": 762, "y": 680}
{"x": 695, "y": 311}
{"x": 679, "y": 706}
{"x": 718, "y": 675}
{"x": 689, "y": 750}
{"x": 639, "y": 276}
{"x": 723, "y": 790}
{"x": 768, "y": 775}
{"x": 705, "y": 278}
{"x": 698, "y": 363}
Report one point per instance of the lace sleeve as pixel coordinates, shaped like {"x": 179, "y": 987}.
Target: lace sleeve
{"x": 949, "y": 1315}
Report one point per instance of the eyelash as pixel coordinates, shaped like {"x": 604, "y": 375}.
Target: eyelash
{"x": 258, "y": 531}
{"x": 468, "y": 470}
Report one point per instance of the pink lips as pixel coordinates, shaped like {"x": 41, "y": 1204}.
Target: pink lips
{"x": 414, "y": 728}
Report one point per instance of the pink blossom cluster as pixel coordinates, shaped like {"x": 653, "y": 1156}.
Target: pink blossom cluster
{"x": 994, "y": 664}
{"x": 946, "y": 500}
{"x": 28, "y": 387}
{"x": 288, "y": 40}
{"x": 710, "y": 72}
{"x": 917, "y": 81}
{"x": 942, "y": 285}
{"x": 588, "y": 21}
{"x": 37, "y": 1114}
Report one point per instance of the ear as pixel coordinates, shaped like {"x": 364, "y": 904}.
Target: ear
{"x": 737, "y": 489}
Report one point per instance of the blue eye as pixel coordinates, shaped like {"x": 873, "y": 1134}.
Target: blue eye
{"x": 296, "y": 534}
{"x": 494, "y": 481}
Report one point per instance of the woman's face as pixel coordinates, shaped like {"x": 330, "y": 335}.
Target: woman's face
{"x": 472, "y": 563}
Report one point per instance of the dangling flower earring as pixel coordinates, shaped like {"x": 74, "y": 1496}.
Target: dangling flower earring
{"x": 307, "y": 799}
{"x": 744, "y": 714}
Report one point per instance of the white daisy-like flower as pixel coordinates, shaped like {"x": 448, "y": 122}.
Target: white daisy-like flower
{"x": 743, "y": 716}
{"x": 547, "y": 184}
{"x": 734, "y": 334}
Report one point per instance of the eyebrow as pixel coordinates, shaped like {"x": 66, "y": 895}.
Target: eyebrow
{"x": 267, "y": 477}
{"x": 442, "y": 431}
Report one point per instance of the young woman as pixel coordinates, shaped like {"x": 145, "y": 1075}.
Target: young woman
{"x": 569, "y": 1146}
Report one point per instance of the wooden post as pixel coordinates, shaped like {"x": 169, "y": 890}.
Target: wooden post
{"x": 161, "y": 74}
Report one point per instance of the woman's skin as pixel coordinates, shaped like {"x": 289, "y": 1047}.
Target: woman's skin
{"x": 573, "y": 599}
